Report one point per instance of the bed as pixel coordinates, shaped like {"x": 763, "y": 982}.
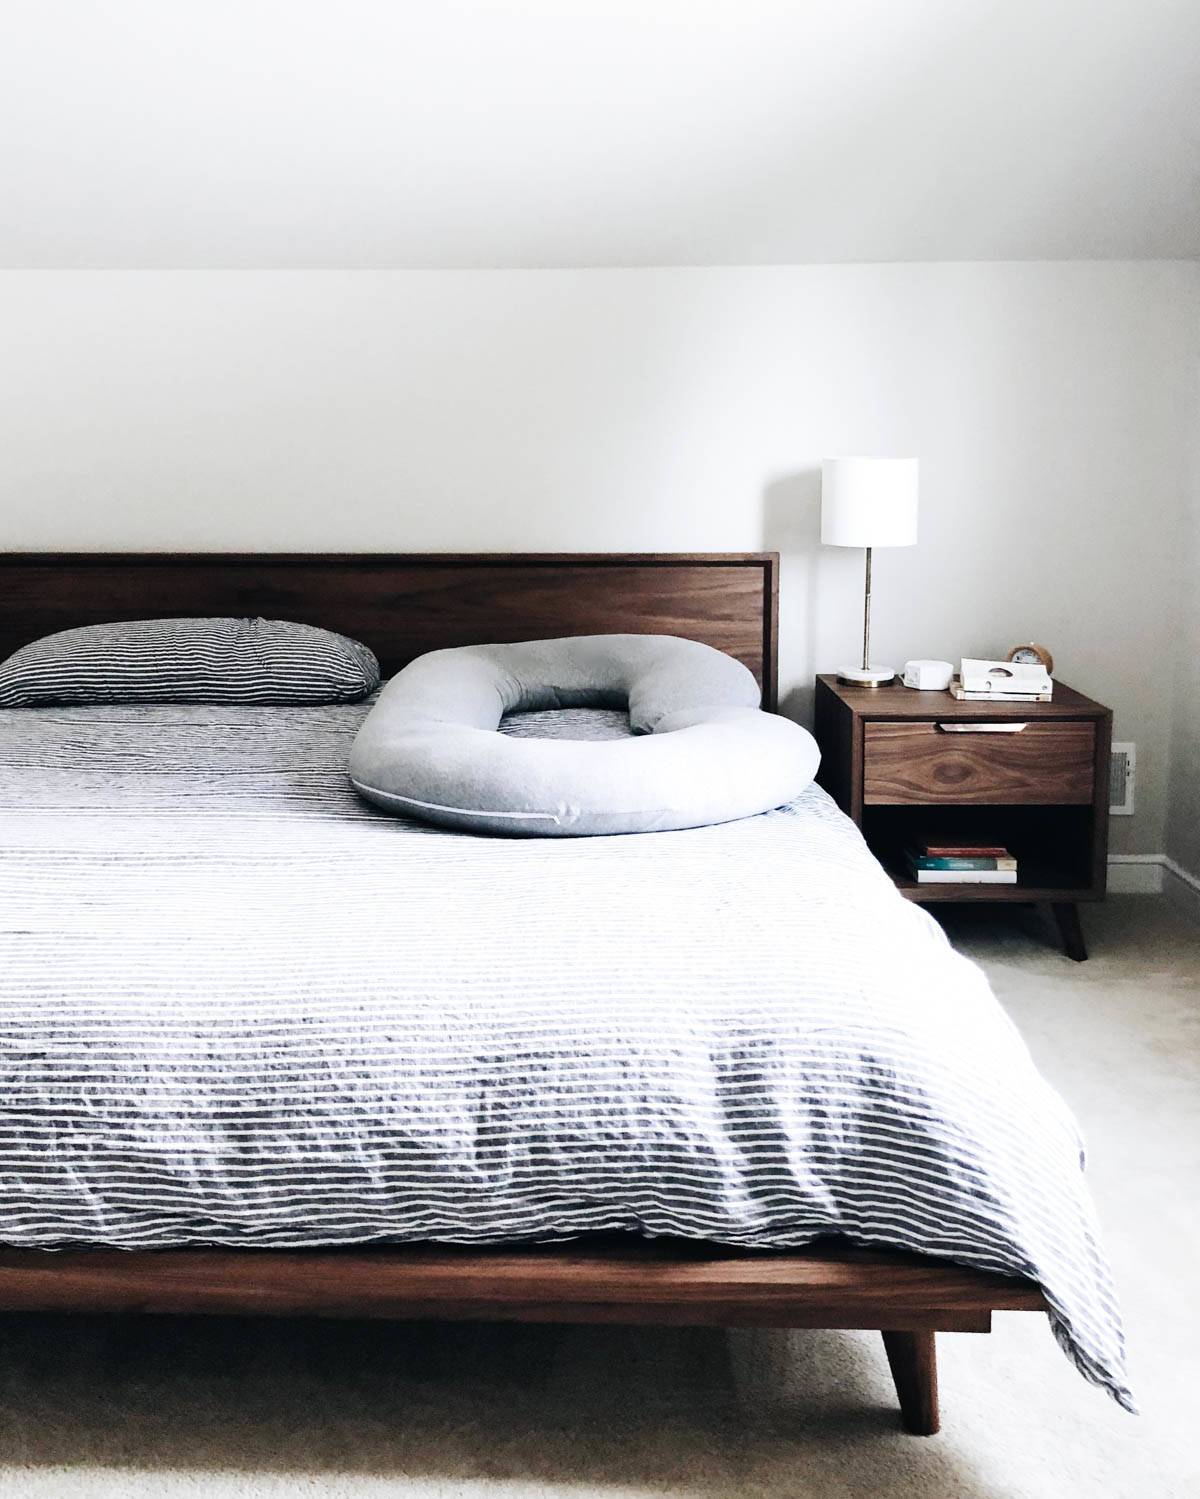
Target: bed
{"x": 266, "y": 1049}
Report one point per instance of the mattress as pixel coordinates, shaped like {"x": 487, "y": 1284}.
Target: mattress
{"x": 239, "y": 1006}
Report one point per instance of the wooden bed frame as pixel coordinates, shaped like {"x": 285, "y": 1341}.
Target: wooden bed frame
{"x": 402, "y": 606}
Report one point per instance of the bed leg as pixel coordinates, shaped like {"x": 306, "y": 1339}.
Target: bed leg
{"x": 913, "y": 1360}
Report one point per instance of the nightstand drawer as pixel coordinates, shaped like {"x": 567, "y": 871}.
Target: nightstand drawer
{"x": 1048, "y": 761}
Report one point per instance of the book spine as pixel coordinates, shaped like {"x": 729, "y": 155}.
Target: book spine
{"x": 966, "y": 876}
{"x": 959, "y": 861}
{"x": 960, "y": 851}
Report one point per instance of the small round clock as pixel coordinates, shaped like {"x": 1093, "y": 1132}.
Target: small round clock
{"x": 1032, "y": 655}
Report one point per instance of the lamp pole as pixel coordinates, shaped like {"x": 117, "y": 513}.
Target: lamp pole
{"x": 867, "y": 617}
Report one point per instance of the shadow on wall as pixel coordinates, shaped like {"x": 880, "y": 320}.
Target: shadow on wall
{"x": 792, "y": 527}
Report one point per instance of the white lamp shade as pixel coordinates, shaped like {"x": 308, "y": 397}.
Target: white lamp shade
{"x": 869, "y": 502}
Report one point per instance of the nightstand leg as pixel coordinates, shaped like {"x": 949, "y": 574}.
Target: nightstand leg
{"x": 1066, "y": 914}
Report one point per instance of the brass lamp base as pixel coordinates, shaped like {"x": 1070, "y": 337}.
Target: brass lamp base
{"x": 867, "y": 676}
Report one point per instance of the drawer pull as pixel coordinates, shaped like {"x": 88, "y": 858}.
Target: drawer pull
{"x": 981, "y": 728}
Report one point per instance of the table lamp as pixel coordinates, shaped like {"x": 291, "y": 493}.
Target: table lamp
{"x": 868, "y": 502}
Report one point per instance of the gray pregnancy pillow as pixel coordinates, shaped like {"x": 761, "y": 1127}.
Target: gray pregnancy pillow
{"x": 704, "y": 752}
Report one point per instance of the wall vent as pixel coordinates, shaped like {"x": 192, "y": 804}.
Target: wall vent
{"x": 1121, "y": 770}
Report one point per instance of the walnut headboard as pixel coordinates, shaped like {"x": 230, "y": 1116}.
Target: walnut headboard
{"x": 403, "y": 605}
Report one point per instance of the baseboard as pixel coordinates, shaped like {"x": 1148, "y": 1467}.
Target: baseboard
{"x": 1136, "y": 874}
{"x": 1155, "y": 874}
{"x": 1182, "y": 888}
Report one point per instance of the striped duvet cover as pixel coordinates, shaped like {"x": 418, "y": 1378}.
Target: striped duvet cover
{"x": 238, "y": 1006}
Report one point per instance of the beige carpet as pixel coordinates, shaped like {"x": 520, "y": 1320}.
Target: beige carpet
{"x": 141, "y": 1407}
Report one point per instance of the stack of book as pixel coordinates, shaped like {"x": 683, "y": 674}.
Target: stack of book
{"x": 961, "y": 862}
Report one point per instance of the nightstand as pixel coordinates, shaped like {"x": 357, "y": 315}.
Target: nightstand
{"x": 896, "y": 762}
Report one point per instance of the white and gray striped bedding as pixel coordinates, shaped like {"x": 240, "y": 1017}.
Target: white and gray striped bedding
{"x": 240, "y": 1006}
{"x": 189, "y": 660}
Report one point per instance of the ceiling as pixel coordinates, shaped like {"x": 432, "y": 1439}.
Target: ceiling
{"x": 496, "y": 133}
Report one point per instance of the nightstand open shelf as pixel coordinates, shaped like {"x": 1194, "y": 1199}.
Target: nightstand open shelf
{"x": 1032, "y": 777}
{"x": 1052, "y": 846}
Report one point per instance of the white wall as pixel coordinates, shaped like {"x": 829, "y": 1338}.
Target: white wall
{"x": 648, "y": 409}
{"x": 1183, "y": 815}
{"x": 404, "y": 133}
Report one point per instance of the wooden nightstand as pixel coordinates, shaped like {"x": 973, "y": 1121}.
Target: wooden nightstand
{"x": 893, "y": 761}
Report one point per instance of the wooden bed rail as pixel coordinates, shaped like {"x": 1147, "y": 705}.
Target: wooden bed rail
{"x": 906, "y": 1297}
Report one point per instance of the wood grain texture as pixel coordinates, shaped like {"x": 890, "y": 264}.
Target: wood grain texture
{"x": 897, "y": 702}
{"x": 615, "y": 1282}
{"x": 1030, "y": 893}
{"x": 1048, "y": 763}
{"x": 912, "y": 1357}
{"x": 1061, "y": 844}
{"x": 838, "y": 732}
{"x": 404, "y": 605}
{"x": 1100, "y": 813}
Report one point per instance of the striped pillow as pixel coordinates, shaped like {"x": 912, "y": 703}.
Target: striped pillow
{"x": 189, "y": 661}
